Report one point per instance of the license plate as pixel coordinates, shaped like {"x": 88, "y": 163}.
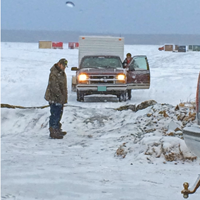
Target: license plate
{"x": 101, "y": 88}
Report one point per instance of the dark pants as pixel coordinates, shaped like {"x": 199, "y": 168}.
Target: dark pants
{"x": 56, "y": 111}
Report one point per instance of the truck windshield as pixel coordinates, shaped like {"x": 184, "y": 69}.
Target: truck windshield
{"x": 101, "y": 62}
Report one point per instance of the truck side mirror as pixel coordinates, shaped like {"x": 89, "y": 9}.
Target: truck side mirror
{"x": 74, "y": 69}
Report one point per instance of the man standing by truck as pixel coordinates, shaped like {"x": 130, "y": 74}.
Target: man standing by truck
{"x": 56, "y": 95}
{"x": 127, "y": 60}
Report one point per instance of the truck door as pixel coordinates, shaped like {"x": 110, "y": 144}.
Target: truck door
{"x": 138, "y": 73}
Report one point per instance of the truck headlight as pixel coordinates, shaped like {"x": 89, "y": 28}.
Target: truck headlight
{"x": 121, "y": 77}
{"x": 82, "y": 77}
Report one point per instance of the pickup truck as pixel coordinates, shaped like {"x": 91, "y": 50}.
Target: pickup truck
{"x": 101, "y": 70}
{"x": 106, "y": 75}
{"x": 101, "y": 75}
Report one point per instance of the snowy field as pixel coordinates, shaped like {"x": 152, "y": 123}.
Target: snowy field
{"x": 108, "y": 153}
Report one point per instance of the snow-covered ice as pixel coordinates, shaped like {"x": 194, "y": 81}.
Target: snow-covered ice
{"x": 108, "y": 153}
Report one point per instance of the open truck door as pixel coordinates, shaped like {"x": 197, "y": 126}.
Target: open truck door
{"x": 138, "y": 73}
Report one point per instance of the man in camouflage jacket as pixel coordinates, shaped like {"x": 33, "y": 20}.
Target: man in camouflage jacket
{"x": 56, "y": 95}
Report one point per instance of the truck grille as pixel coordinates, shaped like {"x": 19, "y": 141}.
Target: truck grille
{"x": 94, "y": 79}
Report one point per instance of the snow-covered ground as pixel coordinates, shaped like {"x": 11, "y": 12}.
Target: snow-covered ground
{"x": 108, "y": 153}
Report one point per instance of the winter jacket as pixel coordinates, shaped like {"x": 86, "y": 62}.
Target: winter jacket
{"x": 126, "y": 62}
{"x": 56, "y": 91}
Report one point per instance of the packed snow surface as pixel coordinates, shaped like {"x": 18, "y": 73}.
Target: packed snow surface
{"x": 111, "y": 151}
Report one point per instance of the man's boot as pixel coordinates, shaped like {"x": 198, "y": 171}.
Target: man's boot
{"x": 55, "y": 133}
{"x": 62, "y": 132}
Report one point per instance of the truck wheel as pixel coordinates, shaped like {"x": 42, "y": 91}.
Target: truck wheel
{"x": 122, "y": 97}
{"x": 129, "y": 94}
{"x": 80, "y": 96}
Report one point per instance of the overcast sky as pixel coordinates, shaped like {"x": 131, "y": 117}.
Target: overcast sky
{"x": 103, "y": 16}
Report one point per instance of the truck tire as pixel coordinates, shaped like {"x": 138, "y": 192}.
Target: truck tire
{"x": 129, "y": 94}
{"x": 122, "y": 97}
{"x": 80, "y": 96}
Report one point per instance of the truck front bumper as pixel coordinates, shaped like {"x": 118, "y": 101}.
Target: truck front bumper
{"x": 101, "y": 88}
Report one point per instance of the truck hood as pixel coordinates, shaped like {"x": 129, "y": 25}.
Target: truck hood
{"x": 102, "y": 71}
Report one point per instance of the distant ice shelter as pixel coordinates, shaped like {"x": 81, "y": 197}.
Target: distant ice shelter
{"x": 182, "y": 48}
{"x": 45, "y": 44}
{"x": 194, "y": 48}
{"x": 73, "y": 45}
{"x": 57, "y": 45}
{"x": 176, "y": 47}
{"x": 169, "y": 47}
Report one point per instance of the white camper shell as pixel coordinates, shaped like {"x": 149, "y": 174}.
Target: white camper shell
{"x": 101, "y": 45}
